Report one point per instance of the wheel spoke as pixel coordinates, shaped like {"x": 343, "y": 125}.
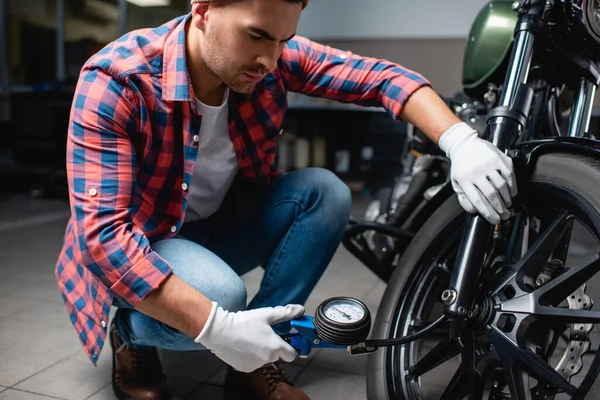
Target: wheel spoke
{"x": 460, "y": 385}
{"x": 464, "y": 380}
{"x": 545, "y": 244}
{"x": 567, "y": 316}
{"x": 508, "y": 353}
{"x": 517, "y": 361}
{"x": 561, "y": 287}
{"x": 540, "y": 368}
{"x": 527, "y": 305}
{"x": 441, "y": 353}
{"x": 478, "y": 386}
{"x": 537, "y": 254}
{"x": 562, "y": 247}
{"x": 518, "y": 381}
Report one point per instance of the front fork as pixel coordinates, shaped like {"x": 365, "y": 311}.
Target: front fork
{"x": 505, "y": 124}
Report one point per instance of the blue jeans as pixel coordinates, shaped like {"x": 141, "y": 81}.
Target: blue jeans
{"x": 291, "y": 227}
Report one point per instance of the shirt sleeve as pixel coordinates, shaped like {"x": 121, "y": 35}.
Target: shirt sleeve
{"x": 317, "y": 70}
{"x": 101, "y": 172}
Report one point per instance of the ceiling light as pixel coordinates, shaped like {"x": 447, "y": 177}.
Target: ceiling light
{"x": 150, "y": 3}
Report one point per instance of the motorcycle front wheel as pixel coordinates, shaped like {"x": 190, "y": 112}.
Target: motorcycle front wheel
{"x": 530, "y": 334}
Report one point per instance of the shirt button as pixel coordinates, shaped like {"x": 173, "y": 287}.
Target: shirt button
{"x": 196, "y": 138}
{"x": 184, "y": 186}
{"x": 173, "y": 229}
{"x": 343, "y": 56}
{"x": 93, "y": 192}
{"x": 103, "y": 323}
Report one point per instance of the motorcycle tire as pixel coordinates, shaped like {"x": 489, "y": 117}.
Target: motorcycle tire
{"x": 575, "y": 175}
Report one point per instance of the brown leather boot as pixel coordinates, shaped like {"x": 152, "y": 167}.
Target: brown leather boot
{"x": 136, "y": 374}
{"x": 266, "y": 383}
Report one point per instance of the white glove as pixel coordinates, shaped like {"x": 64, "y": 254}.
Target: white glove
{"x": 482, "y": 176}
{"x": 245, "y": 339}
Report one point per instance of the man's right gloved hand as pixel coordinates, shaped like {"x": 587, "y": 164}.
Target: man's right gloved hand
{"x": 245, "y": 339}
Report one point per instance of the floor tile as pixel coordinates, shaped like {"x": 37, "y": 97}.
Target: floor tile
{"x": 252, "y": 281}
{"x": 328, "y": 385}
{"x": 195, "y": 366}
{"x": 106, "y": 393}
{"x": 69, "y": 379}
{"x": 372, "y": 298}
{"x": 33, "y": 353}
{"x": 181, "y": 388}
{"x": 12, "y": 394}
{"x": 44, "y": 315}
{"x": 33, "y": 340}
{"x": 218, "y": 378}
{"x": 339, "y": 360}
{"x": 10, "y": 305}
{"x": 178, "y": 388}
{"x": 207, "y": 392}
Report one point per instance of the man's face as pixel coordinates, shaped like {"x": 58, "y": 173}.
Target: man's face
{"x": 242, "y": 41}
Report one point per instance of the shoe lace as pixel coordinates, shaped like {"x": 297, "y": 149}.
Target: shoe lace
{"x": 274, "y": 374}
{"x": 143, "y": 363}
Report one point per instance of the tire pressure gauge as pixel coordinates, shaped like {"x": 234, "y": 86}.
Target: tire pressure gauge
{"x": 342, "y": 321}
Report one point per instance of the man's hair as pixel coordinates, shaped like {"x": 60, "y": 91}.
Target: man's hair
{"x": 223, "y": 2}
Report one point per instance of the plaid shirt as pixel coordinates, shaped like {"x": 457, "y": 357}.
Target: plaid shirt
{"x": 129, "y": 162}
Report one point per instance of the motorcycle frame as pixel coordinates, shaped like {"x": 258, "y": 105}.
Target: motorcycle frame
{"x": 508, "y": 118}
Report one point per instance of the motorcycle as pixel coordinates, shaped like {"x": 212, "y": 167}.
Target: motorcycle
{"x": 505, "y": 308}
{"x": 397, "y": 211}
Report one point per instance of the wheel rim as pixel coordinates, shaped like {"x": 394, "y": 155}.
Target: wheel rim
{"x": 537, "y": 369}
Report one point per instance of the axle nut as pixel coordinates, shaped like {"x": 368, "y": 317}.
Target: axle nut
{"x": 449, "y": 297}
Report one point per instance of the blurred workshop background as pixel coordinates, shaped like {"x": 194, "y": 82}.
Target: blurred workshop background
{"x": 44, "y": 43}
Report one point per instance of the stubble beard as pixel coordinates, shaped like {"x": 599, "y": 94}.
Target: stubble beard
{"x": 217, "y": 64}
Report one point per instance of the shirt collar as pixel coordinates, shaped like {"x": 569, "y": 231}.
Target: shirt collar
{"x": 176, "y": 83}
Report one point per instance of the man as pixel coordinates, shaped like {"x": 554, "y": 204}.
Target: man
{"x": 180, "y": 123}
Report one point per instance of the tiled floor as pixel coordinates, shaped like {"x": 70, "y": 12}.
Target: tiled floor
{"x": 40, "y": 354}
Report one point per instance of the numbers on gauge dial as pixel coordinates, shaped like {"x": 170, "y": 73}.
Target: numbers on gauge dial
{"x": 344, "y": 312}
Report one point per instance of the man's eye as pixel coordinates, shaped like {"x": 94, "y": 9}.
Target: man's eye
{"x": 254, "y": 37}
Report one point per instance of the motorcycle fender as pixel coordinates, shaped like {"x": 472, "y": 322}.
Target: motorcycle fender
{"x": 526, "y": 154}
{"x": 427, "y": 208}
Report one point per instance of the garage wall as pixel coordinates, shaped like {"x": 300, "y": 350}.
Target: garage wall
{"x": 439, "y": 60}
{"x": 389, "y": 19}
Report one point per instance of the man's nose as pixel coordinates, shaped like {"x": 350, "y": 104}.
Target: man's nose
{"x": 269, "y": 59}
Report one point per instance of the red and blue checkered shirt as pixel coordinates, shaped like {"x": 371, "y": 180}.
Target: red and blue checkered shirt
{"x": 129, "y": 165}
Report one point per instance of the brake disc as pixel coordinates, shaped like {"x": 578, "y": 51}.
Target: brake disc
{"x": 571, "y": 361}
{"x": 579, "y": 337}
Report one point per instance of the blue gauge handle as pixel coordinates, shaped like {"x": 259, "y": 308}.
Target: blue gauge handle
{"x": 305, "y": 338}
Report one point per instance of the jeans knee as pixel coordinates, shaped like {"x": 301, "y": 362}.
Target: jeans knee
{"x": 336, "y": 195}
{"x": 233, "y": 295}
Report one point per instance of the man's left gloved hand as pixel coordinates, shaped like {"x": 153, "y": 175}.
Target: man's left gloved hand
{"x": 482, "y": 176}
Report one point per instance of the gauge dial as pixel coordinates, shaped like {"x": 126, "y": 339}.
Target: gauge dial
{"x": 344, "y": 311}
{"x": 342, "y": 321}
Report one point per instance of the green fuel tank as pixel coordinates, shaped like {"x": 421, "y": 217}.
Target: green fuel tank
{"x": 488, "y": 48}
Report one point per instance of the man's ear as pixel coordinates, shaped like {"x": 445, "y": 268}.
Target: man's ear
{"x": 199, "y": 15}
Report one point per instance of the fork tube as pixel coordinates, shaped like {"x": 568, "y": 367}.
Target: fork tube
{"x": 520, "y": 62}
{"x": 504, "y": 124}
{"x": 582, "y": 110}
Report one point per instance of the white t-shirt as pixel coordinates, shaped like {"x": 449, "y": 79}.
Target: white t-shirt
{"x": 217, "y": 163}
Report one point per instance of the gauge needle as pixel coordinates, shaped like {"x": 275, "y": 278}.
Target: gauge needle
{"x": 341, "y": 312}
